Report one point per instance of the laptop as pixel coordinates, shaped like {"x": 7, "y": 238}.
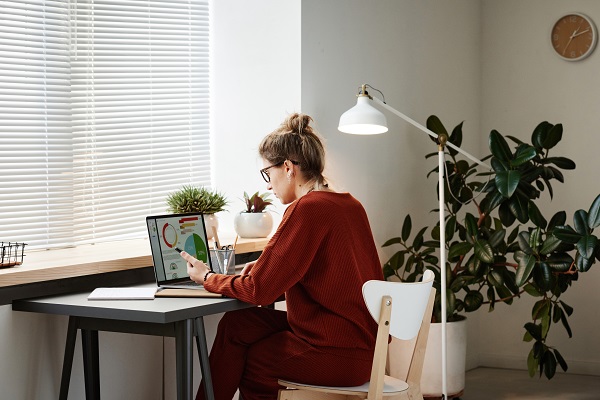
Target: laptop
{"x": 169, "y": 234}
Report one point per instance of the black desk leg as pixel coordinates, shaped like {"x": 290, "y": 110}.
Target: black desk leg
{"x": 203, "y": 355}
{"x": 91, "y": 364}
{"x": 184, "y": 347}
{"x": 65, "y": 378}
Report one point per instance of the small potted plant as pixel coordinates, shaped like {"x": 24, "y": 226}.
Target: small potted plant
{"x": 255, "y": 221}
{"x": 198, "y": 199}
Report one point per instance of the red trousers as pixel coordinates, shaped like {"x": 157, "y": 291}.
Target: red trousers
{"x": 255, "y": 347}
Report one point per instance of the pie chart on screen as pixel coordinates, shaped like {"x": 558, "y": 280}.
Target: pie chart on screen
{"x": 195, "y": 246}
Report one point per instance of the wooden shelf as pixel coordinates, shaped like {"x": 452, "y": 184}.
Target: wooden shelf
{"x": 47, "y": 265}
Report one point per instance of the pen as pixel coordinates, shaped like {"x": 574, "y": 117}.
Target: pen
{"x": 177, "y": 249}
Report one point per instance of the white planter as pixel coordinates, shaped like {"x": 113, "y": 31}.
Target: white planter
{"x": 210, "y": 221}
{"x": 431, "y": 379}
{"x": 253, "y": 225}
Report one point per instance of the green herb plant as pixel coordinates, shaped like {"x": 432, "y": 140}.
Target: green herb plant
{"x": 502, "y": 246}
{"x": 196, "y": 199}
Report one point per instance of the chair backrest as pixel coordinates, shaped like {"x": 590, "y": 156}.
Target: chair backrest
{"x": 409, "y": 299}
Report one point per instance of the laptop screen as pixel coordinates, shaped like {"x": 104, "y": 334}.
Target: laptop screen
{"x": 176, "y": 231}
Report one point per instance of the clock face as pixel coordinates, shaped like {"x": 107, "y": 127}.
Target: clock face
{"x": 574, "y": 37}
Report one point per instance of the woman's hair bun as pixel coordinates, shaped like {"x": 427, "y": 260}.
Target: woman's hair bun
{"x": 298, "y": 123}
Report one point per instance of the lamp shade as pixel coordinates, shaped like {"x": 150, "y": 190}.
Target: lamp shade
{"x": 363, "y": 119}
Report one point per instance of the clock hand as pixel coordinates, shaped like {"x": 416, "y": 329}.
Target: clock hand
{"x": 570, "y": 39}
{"x": 582, "y": 32}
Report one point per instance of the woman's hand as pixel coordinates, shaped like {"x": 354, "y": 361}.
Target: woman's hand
{"x": 196, "y": 269}
{"x": 248, "y": 267}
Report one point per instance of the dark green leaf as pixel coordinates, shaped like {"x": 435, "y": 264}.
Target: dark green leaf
{"x": 566, "y": 234}
{"x": 580, "y": 220}
{"x": 568, "y": 309}
{"x": 524, "y": 153}
{"x": 450, "y": 228}
{"x": 532, "y": 290}
{"x": 518, "y": 205}
{"x": 549, "y": 364}
{"x": 563, "y": 319}
{"x": 536, "y": 216}
{"x": 523, "y": 240}
{"x": 459, "y": 249}
{"x": 550, "y": 244}
{"x": 560, "y": 218}
{"x": 473, "y": 300}
{"x": 499, "y": 147}
{"x": 456, "y": 138}
{"x": 524, "y": 270}
{"x": 497, "y": 237}
{"x": 532, "y": 363}
{"x": 534, "y": 238}
{"x": 540, "y": 308}
{"x": 534, "y": 330}
{"x": 560, "y": 262}
{"x": 499, "y": 166}
{"x": 406, "y": 228}
{"x": 506, "y": 215}
{"x": 553, "y": 137}
{"x": 542, "y": 276}
{"x": 586, "y": 246}
{"x": 539, "y": 134}
{"x": 504, "y": 294}
{"x": 496, "y": 279}
{"x": 418, "y": 241}
{"x": 560, "y": 162}
{"x": 561, "y": 361}
{"x": 583, "y": 264}
{"x": 484, "y": 251}
{"x": 594, "y": 214}
{"x": 435, "y": 125}
{"x": 493, "y": 200}
{"x": 556, "y": 314}
{"x": 507, "y": 182}
{"x": 391, "y": 241}
{"x": 471, "y": 225}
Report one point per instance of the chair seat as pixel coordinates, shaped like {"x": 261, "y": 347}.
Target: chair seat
{"x": 391, "y": 386}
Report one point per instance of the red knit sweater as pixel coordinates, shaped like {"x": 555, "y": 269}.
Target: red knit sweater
{"x": 321, "y": 254}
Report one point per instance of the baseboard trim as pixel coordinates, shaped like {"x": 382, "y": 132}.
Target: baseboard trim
{"x": 511, "y": 362}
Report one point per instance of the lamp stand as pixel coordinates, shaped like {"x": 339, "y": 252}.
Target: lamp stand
{"x": 442, "y": 141}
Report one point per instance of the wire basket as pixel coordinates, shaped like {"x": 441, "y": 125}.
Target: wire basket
{"x": 11, "y": 254}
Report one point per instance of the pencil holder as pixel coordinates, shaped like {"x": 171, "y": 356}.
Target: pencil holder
{"x": 11, "y": 254}
{"x": 223, "y": 261}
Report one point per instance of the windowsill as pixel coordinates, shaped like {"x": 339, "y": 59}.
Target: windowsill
{"x": 48, "y": 265}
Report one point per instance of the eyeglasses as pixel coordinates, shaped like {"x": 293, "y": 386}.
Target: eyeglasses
{"x": 265, "y": 173}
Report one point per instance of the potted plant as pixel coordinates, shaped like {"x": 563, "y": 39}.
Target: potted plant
{"x": 198, "y": 199}
{"x": 500, "y": 245}
{"x": 255, "y": 221}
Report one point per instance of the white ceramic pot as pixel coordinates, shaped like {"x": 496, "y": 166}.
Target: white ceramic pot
{"x": 210, "y": 221}
{"x": 253, "y": 225}
{"x": 431, "y": 378}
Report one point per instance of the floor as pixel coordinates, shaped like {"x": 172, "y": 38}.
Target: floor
{"x": 507, "y": 384}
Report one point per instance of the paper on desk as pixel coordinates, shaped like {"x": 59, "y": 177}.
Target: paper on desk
{"x": 123, "y": 293}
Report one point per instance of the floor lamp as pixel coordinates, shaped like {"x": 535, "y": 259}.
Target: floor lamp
{"x": 364, "y": 119}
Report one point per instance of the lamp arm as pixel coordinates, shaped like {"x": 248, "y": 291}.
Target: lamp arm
{"x": 430, "y": 133}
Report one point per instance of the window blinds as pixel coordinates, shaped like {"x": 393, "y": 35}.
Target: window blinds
{"x": 104, "y": 110}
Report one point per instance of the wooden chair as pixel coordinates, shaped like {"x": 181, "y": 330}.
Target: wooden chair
{"x": 402, "y": 310}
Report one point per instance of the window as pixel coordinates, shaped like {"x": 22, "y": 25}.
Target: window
{"x": 104, "y": 110}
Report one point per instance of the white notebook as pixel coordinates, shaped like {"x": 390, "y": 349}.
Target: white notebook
{"x": 123, "y": 293}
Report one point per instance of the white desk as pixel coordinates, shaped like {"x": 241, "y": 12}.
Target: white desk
{"x": 178, "y": 317}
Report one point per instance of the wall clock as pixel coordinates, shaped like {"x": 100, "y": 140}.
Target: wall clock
{"x": 574, "y": 37}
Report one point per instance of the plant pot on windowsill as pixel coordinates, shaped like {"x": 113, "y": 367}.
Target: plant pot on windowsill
{"x": 255, "y": 221}
{"x": 192, "y": 199}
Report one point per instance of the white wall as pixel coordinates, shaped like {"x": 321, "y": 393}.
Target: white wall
{"x": 424, "y": 56}
{"x": 255, "y": 85}
{"x": 524, "y": 83}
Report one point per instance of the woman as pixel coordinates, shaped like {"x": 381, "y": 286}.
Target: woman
{"x": 321, "y": 254}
